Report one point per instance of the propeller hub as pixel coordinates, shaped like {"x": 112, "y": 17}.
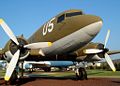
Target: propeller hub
{"x": 12, "y": 47}
{"x": 106, "y": 50}
{"x": 21, "y": 46}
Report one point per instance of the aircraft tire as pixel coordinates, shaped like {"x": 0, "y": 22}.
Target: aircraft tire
{"x": 82, "y": 74}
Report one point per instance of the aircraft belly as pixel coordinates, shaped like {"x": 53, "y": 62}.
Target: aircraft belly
{"x": 69, "y": 43}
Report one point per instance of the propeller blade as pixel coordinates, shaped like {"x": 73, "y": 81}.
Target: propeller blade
{"x": 8, "y": 31}
{"x": 92, "y": 51}
{"x": 106, "y": 39}
{"x": 38, "y": 45}
{"x": 12, "y": 65}
{"x": 109, "y": 61}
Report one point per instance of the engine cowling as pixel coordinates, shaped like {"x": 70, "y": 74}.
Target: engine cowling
{"x": 81, "y": 55}
{"x": 11, "y": 48}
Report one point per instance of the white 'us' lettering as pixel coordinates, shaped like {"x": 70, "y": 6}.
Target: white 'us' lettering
{"x": 48, "y": 27}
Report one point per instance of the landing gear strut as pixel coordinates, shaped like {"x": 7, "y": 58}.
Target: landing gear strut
{"x": 22, "y": 70}
{"x": 81, "y": 74}
{"x": 80, "y": 71}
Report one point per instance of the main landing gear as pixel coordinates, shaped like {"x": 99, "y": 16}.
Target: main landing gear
{"x": 80, "y": 71}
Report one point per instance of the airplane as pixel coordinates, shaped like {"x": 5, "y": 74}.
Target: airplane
{"x": 65, "y": 37}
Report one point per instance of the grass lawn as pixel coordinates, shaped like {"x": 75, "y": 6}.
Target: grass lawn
{"x": 103, "y": 73}
{"x": 2, "y": 73}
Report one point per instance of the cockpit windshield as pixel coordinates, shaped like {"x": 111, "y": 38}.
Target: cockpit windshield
{"x": 70, "y": 14}
{"x": 61, "y": 18}
{"x": 73, "y": 14}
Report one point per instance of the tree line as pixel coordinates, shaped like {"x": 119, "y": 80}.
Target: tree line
{"x": 105, "y": 66}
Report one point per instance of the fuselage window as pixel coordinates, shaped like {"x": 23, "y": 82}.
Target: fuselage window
{"x": 61, "y": 18}
{"x": 73, "y": 14}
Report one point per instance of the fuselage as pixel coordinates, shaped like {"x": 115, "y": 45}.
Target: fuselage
{"x": 68, "y": 31}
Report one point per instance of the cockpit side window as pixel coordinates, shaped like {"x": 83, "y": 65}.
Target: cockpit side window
{"x": 61, "y": 18}
{"x": 73, "y": 14}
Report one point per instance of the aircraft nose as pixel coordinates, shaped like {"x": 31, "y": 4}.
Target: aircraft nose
{"x": 90, "y": 24}
{"x": 94, "y": 24}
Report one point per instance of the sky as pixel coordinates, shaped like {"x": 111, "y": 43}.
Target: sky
{"x": 26, "y": 16}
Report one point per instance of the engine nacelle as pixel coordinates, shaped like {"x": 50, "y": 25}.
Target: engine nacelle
{"x": 89, "y": 58}
{"x": 11, "y": 48}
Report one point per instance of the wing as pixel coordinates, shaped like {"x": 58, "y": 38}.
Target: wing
{"x": 113, "y": 52}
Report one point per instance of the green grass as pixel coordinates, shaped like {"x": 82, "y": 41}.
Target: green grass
{"x": 103, "y": 73}
{"x": 2, "y": 73}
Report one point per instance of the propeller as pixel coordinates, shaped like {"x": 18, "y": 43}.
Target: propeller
{"x": 12, "y": 65}
{"x": 104, "y": 51}
{"x": 15, "y": 58}
{"x": 106, "y": 39}
{"x": 38, "y": 45}
{"x": 8, "y": 31}
{"x": 107, "y": 57}
{"x": 92, "y": 51}
{"x": 109, "y": 61}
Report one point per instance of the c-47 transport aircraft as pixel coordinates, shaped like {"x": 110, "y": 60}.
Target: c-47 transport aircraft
{"x": 65, "y": 37}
